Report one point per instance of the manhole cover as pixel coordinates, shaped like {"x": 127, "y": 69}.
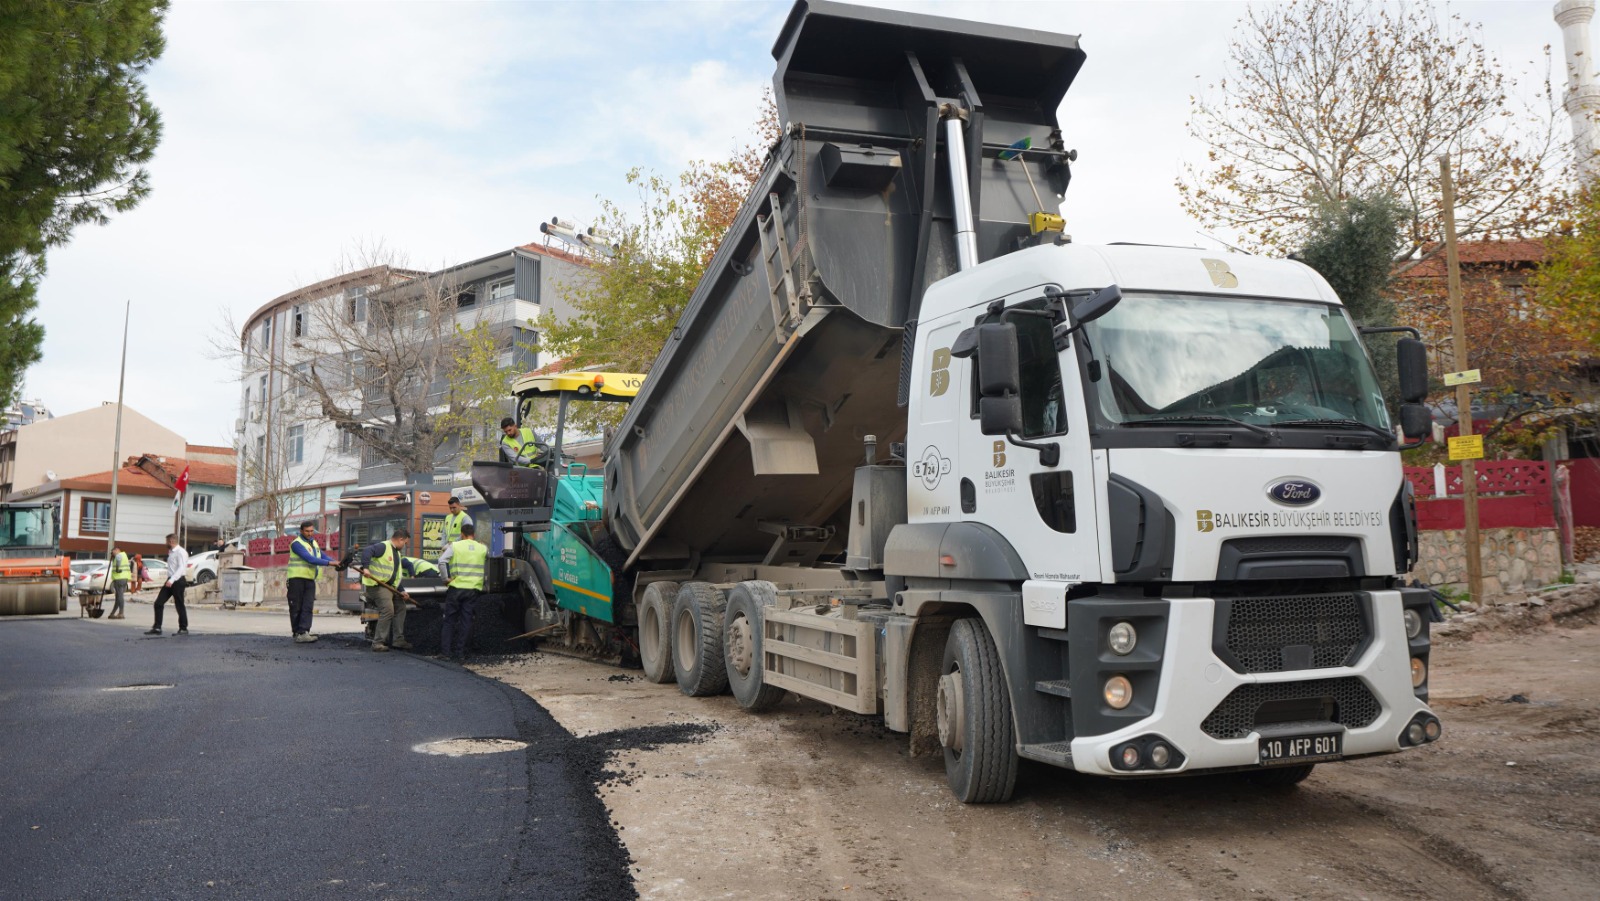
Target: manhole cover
{"x": 149, "y": 686}
{"x": 460, "y": 747}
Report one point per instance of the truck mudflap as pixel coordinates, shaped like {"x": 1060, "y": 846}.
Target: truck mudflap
{"x": 1204, "y": 711}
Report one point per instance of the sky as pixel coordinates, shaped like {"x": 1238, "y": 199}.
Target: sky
{"x": 296, "y": 133}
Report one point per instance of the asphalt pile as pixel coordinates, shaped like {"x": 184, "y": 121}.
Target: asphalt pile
{"x": 490, "y": 628}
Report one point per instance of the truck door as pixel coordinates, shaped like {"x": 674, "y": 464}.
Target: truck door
{"x": 934, "y": 436}
{"x": 1046, "y": 512}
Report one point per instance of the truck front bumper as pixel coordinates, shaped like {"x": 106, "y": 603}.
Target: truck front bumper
{"x": 1197, "y": 713}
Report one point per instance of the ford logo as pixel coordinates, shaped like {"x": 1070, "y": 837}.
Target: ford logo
{"x": 1294, "y": 492}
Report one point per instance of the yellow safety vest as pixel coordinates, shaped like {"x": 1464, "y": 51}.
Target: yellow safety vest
{"x": 381, "y": 569}
{"x": 452, "y": 526}
{"x": 120, "y": 570}
{"x": 524, "y": 446}
{"x": 466, "y": 564}
{"x": 421, "y": 567}
{"x": 300, "y": 569}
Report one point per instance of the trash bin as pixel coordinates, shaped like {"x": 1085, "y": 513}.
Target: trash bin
{"x": 241, "y": 585}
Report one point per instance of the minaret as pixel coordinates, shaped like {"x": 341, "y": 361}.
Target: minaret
{"x": 1583, "y": 95}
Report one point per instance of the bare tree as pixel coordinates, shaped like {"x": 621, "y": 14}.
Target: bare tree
{"x": 376, "y": 359}
{"x": 275, "y": 473}
{"x": 1328, "y": 101}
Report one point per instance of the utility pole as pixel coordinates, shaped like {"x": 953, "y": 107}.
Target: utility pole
{"x": 116, "y": 445}
{"x": 1458, "y": 330}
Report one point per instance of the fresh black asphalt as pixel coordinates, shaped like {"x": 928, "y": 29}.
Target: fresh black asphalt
{"x": 276, "y": 770}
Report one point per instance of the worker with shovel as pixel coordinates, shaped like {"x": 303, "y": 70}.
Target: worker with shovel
{"x": 379, "y": 565}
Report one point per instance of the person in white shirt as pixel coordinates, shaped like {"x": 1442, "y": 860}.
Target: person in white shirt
{"x": 177, "y": 562}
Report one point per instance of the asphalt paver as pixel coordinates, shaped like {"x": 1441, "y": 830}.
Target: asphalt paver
{"x": 235, "y": 765}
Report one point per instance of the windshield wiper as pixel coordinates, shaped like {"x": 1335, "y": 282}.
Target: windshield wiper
{"x": 1336, "y": 424}
{"x": 1170, "y": 420}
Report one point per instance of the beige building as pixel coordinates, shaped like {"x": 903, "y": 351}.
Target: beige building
{"x": 78, "y": 444}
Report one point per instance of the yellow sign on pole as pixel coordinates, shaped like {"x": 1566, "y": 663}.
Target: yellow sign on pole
{"x": 1468, "y": 377}
{"x": 1466, "y": 447}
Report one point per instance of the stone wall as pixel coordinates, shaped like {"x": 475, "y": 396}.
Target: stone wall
{"x": 1514, "y": 560}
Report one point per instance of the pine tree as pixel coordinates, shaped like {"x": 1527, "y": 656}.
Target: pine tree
{"x": 76, "y": 128}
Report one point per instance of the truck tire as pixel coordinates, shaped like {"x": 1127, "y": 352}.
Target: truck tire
{"x": 655, "y": 631}
{"x": 974, "y": 716}
{"x": 742, "y": 628}
{"x": 697, "y": 640}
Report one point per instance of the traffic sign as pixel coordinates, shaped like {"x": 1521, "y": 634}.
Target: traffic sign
{"x": 1467, "y": 377}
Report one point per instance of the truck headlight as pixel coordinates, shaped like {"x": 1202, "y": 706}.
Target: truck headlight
{"x": 1419, "y": 672}
{"x": 1118, "y": 692}
{"x": 1122, "y": 638}
{"x": 1413, "y": 622}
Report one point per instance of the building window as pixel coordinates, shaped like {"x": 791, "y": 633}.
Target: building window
{"x": 297, "y": 444}
{"x": 356, "y": 305}
{"x": 297, "y": 318}
{"x": 302, "y": 379}
{"x": 347, "y": 441}
{"x": 266, "y": 335}
{"x": 96, "y": 517}
{"x": 201, "y": 503}
{"x": 260, "y": 460}
{"x": 466, "y": 300}
{"x": 263, "y": 392}
{"x": 504, "y": 289}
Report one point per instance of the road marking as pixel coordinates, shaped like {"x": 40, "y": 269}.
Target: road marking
{"x": 150, "y": 687}
{"x": 461, "y": 747}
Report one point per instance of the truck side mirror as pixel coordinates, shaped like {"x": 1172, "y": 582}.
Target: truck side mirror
{"x": 1412, "y": 356}
{"x": 1415, "y": 421}
{"x": 999, "y": 379}
{"x": 1000, "y": 415}
{"x": 1100, "y": 304}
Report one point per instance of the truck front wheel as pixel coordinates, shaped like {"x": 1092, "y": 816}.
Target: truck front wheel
{"x": 697, "y": 640}
{"x": 741, "y": 645}
{"x": 655, "y": 631}
{"x": 974, "y": 716}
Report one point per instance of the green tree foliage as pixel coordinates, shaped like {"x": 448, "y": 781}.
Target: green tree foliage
{"x": 1567, "y": 287}
{"x": 76, "y": 129}
{"x": 1353, "y": 243}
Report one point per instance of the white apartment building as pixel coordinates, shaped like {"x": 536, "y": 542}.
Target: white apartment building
{"x": 290, "y": 460}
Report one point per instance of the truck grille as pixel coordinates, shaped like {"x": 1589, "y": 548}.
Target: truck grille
{"x": 1277, "y": 634}
{"x": 1346, "y": 701}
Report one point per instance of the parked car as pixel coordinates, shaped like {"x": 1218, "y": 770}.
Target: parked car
{"x": 202, "y": 568}
{"x": 89, "y": 577}
{"x": 157, "y": 570}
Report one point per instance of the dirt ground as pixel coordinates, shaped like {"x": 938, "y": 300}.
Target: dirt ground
{"x": 810, "y": 803}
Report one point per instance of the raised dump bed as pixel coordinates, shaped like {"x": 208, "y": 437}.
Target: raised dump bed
{"x": 743, "y": 441}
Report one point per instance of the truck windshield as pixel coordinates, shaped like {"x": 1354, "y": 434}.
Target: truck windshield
{"x": 1261, "y": 362}
{"x": 28, "y": 526}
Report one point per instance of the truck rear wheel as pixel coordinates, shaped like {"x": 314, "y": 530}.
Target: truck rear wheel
{"x": 655, "y": 631}
{"x": 697, "y": 640}
{"x": 741, "y": 645}
{"x": 974, "y": 715}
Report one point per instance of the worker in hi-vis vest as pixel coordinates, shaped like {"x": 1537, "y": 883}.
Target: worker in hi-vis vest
{"x": 380, "y": 580}
{"x": 416, "y": 567}
{"x": 121, "y": 575}
{"x": 454, "y": 520}
{"x": 463, "y": 563}
{"x": 305, "y": 555}
{"x": 519, "y": 446}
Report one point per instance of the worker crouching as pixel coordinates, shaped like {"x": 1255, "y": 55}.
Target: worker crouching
{"x": 463, "y": 563}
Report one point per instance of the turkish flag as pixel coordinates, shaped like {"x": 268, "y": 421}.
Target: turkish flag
{"x": 183, "y": 481}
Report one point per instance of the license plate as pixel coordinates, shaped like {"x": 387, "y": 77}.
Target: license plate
{"x": 1300, "y": 748}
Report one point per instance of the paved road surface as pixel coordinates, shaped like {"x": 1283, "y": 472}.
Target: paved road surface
{"x": 275, "y": 770}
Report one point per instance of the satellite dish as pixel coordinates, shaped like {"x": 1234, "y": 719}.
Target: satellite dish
{"x": 49, "y": 475}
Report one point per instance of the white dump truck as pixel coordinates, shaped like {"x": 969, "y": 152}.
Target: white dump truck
{"x": 1128, "y": 510}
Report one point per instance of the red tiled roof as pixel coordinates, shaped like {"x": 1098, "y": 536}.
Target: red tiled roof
{"x": 131, "y": 477}
{"x": 1479, "y": 253}
{"x": 200, "y": 472}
